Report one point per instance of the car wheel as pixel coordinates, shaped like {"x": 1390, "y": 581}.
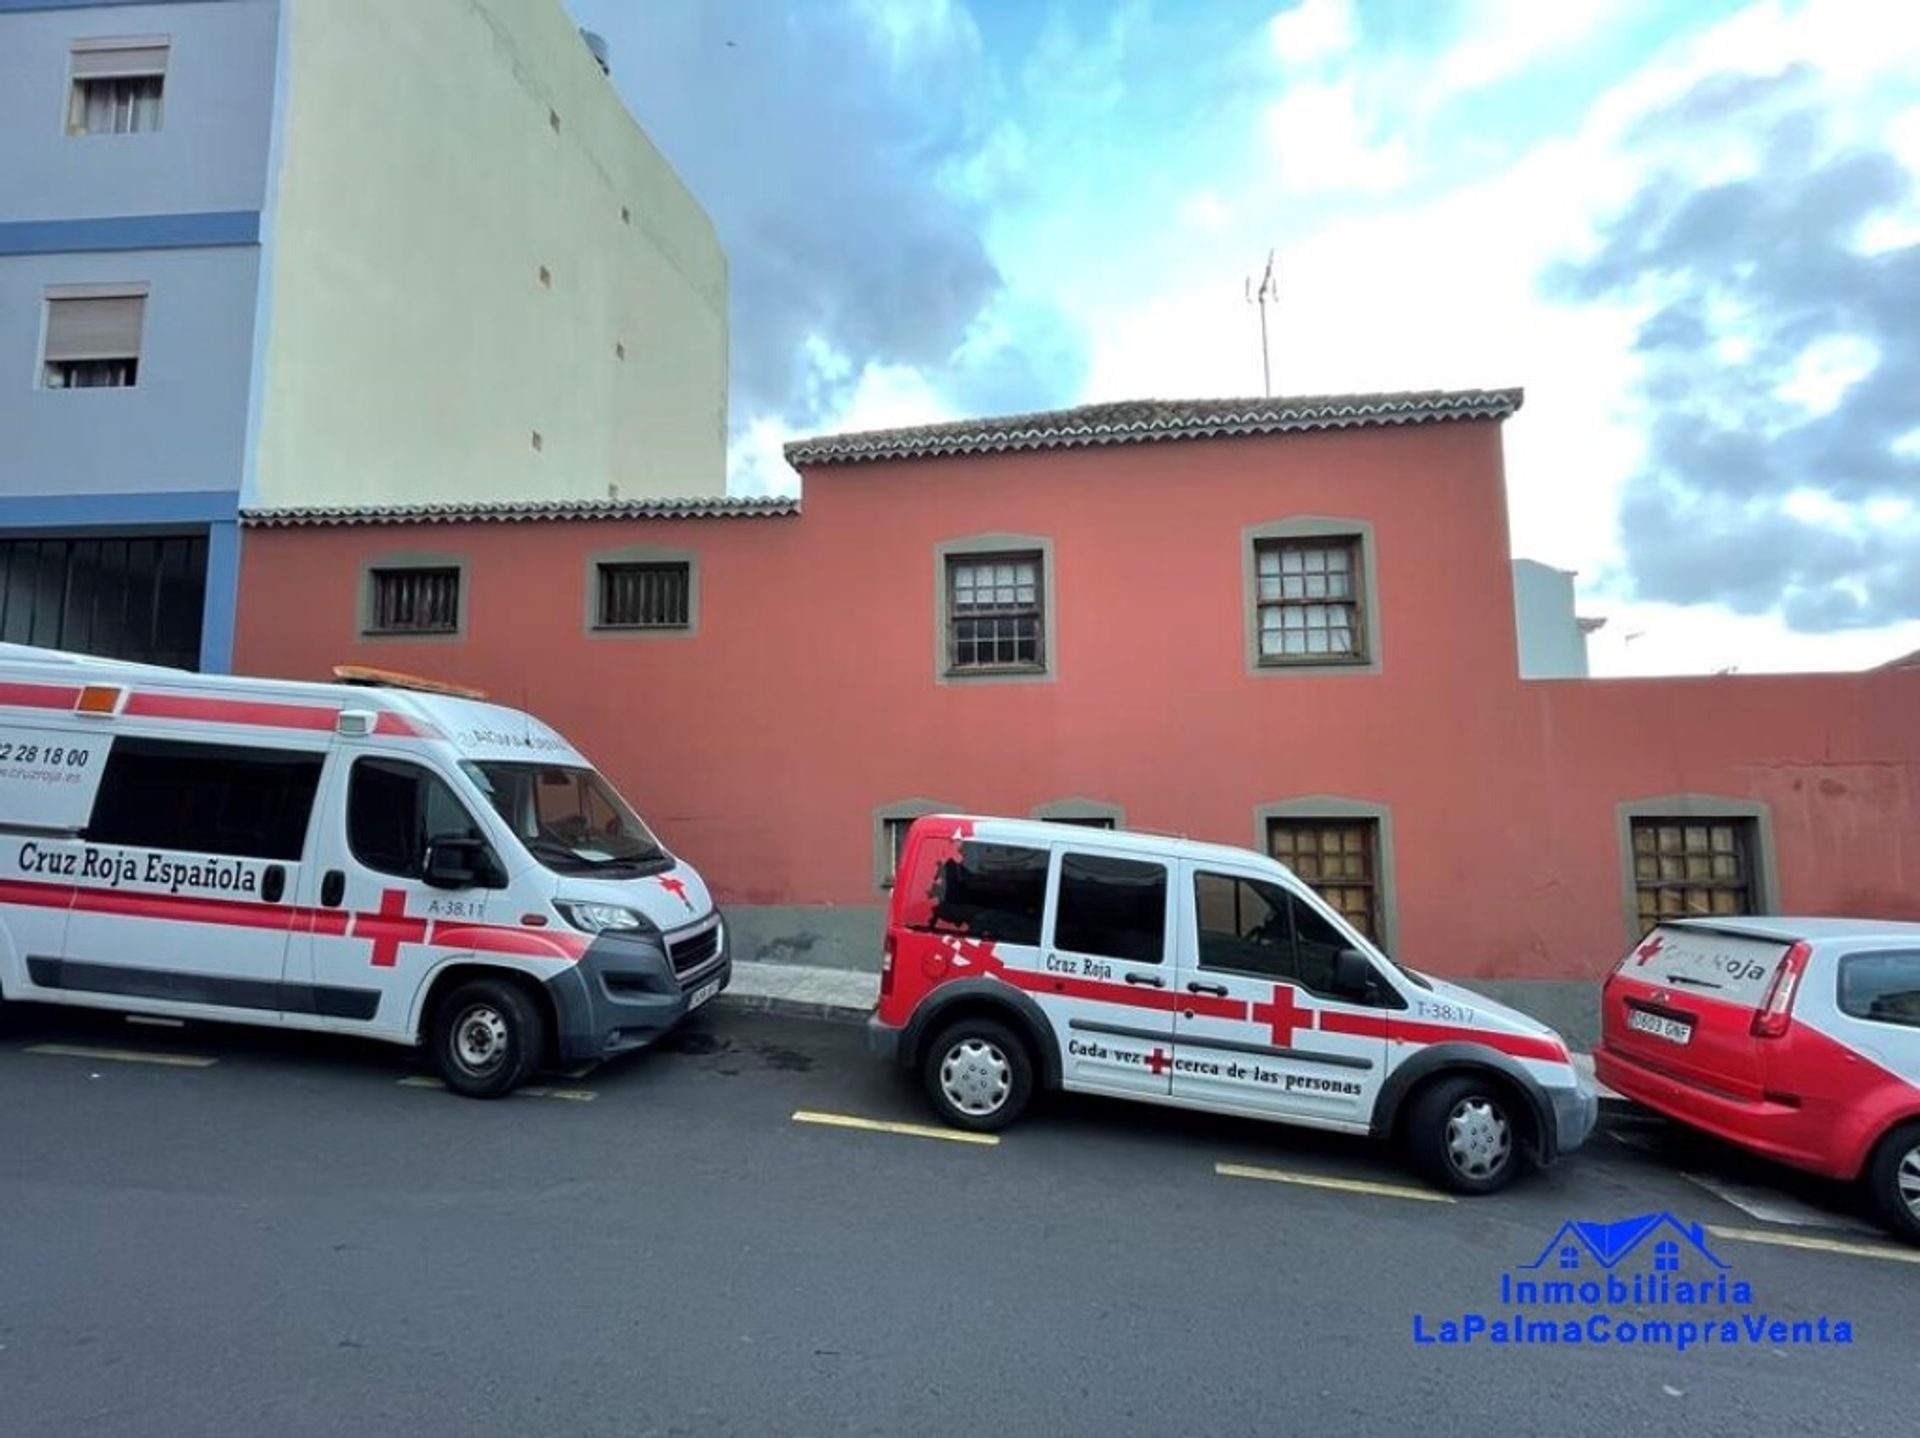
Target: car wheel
{"x": 487, "y": 1038}
{"x": 1463, "y": 1134}
{"x": 979, "y": 1075}
{"x": 1893, "y": 1179}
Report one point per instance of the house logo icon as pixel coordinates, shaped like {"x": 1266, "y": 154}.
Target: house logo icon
{"x": 1662, "y": 1241}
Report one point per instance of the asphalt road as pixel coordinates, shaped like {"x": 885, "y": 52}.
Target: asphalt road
{"x": 292, "y": 1240}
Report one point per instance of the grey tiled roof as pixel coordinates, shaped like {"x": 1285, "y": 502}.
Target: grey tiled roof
{"x": 520, "y": 510}
{"x": 1138, "y": 421}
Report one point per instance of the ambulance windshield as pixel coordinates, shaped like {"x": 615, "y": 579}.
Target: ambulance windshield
{"x": 571, "y": 820}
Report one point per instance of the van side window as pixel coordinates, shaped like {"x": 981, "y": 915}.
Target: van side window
{"x": 1881, "y": 988}
{"x": 394, "y": 808}
{"x": 219, "y": 799}
{"x": 1249, "y": 927}
{"x": 1244, "y": 925}
{"x": 989, "y": 891}
{"x": 1112, "y": 908}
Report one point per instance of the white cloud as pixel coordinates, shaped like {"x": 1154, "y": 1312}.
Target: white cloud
{"x": 1320, "y": 142}
{"x": 1826, "y": 370}
{"x": 1312, "y": 31}
{"x": 1504, "y": 37}
{"x": 1706, "y": 639}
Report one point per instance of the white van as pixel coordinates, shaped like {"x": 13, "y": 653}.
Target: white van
{"x": 1022, "y": 955}
{"x": 390, "y": 859}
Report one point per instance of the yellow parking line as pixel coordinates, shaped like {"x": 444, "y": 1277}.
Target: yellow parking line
{"x": 123, "y": 1056}
{"x": 1341, "y": 1185}
{"x": 911, "y": 1130}
{"x": 1818, "y": 1245}
{"x": 572, "y": 1095}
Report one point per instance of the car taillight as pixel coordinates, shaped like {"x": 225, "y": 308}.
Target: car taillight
{"x": 1776, "y": 1012}
{"x": 886, "y": 966}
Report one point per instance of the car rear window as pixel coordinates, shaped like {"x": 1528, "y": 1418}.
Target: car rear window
{"x": 1883, "y": 988}
{"x": 1734, "y": 968}
{"x": 984, "y": 891}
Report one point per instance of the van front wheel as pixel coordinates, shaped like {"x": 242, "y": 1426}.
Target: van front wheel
{"x": 487, "y": 1038}
{"x": 1461, "y": 1133}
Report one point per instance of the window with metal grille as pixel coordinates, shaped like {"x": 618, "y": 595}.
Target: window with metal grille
{"x": 1689, "y": 868}
{"x": 1336, "y": 857}
{"x": 136, "y": 597}
{"x": 645, "y": 596}
{"x": 896, "y": 833}
{"x": 1308, "y": 595}
{"x": 118, "y": 87}
{"x": 995, "y": 613}
{"x": 415, "y": 601}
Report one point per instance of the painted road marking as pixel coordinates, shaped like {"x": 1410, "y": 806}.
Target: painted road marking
{"x": 1771, "y": 1207}
{"x": 571, "y": 1095}
{"x": 911, "y": 1130}
{"x": 123, "y": 1056}
{"x": 1341, "y": 1185}
{"x": 1817, "y": 1245}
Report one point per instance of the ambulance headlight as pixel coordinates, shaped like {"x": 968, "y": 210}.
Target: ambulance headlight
{"x": 603, "y": 918}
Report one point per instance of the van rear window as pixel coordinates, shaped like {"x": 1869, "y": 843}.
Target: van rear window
{"x": 206, "y": 799}
{"x": 983, "y": 891}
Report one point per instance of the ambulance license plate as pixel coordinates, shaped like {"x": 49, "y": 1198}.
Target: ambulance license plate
{"x": 702, "y": 994}
{"x": 1661, "y": 1027}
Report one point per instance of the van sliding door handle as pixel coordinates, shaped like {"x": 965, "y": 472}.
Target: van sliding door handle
{"x": 1152, "y": 981}
{"x": 1219, "y": 991}
{"x": 273, "y": 883}
{"x": 333, "y": 888}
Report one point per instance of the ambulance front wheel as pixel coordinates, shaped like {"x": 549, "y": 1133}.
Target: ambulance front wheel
{"x": 979, "y": 1075}
{"x": 487, "y": 1038}
{"x": 1460, "y": 1132}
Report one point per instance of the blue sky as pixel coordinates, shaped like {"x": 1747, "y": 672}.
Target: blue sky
{"x": 1690, "y": 231}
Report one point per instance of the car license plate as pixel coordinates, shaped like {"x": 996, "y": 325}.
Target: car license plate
{"x": 1674, "y": 1031}
{"x": 702, "y": 994}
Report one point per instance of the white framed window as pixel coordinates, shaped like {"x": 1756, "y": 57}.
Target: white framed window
{"x": 93, "y": 337}
{"x": 118, "y": 86}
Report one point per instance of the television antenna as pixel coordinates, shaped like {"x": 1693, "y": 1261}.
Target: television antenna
{"x": 1267, "y": 291}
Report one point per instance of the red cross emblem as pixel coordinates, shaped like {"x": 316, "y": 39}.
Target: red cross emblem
{"x": 389, "y": 928}
{"x": 1158, "y": 1063}
{"x": 1284, "y": 1015}
{"x": 678, "y": 888}
{"x": 1651, "y": 947}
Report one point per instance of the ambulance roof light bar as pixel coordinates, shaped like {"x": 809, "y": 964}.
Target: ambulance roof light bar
{"x": 364, "y": 676}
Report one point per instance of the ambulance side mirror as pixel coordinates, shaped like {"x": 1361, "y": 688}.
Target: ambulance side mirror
{"x": 1353, "y": 975}
{"x": 460, "y": 863}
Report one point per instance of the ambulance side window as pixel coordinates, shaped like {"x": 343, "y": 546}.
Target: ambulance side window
{"x": 394, "y": 808}
{"x": 229, "y": 800}
{"x": 1112, "y": 908}
{"x": 986, "y": 891}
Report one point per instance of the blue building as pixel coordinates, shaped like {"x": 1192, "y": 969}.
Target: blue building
{"x": 249, "y": 261}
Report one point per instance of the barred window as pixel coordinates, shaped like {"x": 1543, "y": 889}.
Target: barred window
{"x": 1308, "y": 595}
{"x": 1336, "y": 858}
{"x": 645, "y": 596}
{"x": 996, "y": 612}
{"x": 415, "y": 601}
{"x": 1692, "y": 868}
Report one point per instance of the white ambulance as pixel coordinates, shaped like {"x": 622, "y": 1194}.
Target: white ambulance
{"x": 1023, "y": 955}
{"x": 398, "y": 861}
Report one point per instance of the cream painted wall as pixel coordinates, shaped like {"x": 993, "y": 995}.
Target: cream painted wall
{"x": 411, "y": 347}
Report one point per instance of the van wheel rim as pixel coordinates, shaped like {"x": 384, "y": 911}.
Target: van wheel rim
{"x": 480, "y": 1039}
{"x": 1908, "y": 1178}
{"x": 976, "y": 1077}
{"x": 1479, "y": 1138}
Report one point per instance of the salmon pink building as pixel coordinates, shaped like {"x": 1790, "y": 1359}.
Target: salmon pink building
{"x": 1285, "y": 623}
